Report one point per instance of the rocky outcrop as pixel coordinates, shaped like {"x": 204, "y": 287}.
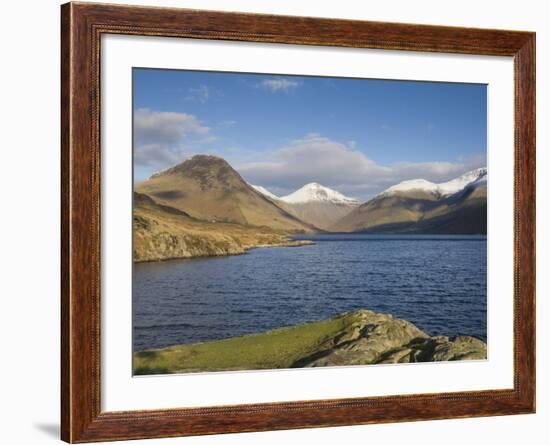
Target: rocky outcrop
{"x": 437, "y": 349}
{"x": 151, "y": 245}
{"x": 380, "y": 338}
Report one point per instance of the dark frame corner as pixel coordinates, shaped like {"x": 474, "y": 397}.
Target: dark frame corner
{"x": 82, "y": 25}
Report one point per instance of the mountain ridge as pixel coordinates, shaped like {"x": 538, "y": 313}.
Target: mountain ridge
{"x": 458, "y": 206}
{"x": 442, "y": 189}
{"x": 208, "y": 188}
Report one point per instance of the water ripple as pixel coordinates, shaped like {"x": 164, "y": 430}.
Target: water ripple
{"x": 438, "y": 283}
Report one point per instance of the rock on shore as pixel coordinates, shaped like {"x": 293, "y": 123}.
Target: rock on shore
{"x": 381, "y": 338}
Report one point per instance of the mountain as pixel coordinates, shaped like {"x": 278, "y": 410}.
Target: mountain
{"x": 314, "y": 204}
{"x": 440, "y": 190}
{"x": 209, "y": 189}
{"x": 458, "y": 206}
{"x": 314, "y": 192}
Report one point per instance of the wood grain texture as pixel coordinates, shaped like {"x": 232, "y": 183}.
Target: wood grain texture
{"x": 82, "y": 26}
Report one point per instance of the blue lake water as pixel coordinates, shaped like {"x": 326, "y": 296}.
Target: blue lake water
{"x": 437, "y": 282}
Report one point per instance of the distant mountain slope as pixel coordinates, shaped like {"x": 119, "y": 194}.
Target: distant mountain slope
{"x": 208, "y": 188}
{"x": 455, "y": 207}
{"x": 315, "y": 204}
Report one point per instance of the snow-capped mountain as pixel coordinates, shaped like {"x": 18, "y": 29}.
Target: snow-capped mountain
{"x": 313, "y": 203}
{"x": 314, "y": 192}
{"x": 443, "y": 189}
{"x": 317, "y": 205}
{"x": 458, "y": 206}
{"x": 264, "y": 191}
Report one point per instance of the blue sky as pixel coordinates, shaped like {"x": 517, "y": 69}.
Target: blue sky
{"x": 358, "y": 136}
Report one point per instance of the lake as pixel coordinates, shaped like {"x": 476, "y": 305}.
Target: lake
{"x": 439, "y": 283}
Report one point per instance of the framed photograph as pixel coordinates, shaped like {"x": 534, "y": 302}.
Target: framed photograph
{"x": 276, "y": 222}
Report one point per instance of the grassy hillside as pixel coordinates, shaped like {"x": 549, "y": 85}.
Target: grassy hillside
{"x": 355, "y": 338}
{"x": 208, "y": 188}
{"x": 162, "y": 232}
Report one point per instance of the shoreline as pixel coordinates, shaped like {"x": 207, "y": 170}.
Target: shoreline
{"x": 242, "y": 251}
{"x": 360, "y": 337}
{"x": 239, "y": 249}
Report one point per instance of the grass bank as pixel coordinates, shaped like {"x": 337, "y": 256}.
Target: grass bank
{"x": 279, "y": 348}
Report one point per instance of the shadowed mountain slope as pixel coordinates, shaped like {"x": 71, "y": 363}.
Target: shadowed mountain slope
{"x": 418, "y": 210}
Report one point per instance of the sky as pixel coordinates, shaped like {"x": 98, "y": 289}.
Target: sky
{"x": 357, "y": 136}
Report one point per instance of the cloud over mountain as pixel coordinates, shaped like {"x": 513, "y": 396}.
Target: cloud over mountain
{"x": 159, "y": 135}
{"x": 163, "y": 138}
{"x": 315, "y": 158}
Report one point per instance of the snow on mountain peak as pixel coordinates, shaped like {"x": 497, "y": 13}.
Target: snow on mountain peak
{"x": 314, "y": 192}
{"x": 264, "y": 191}
{"x": 413, "y": 184}
{"x": 443, "y": 189}
{"x": 457, "y": 184}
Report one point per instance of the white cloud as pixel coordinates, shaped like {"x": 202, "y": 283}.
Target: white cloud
{"x": 159, "y": 136}
{"x": 158, "y": 156}
{"x": 201, "y": 94}
{"x": 164, "y": 126}
{"x": 163, "y": 139}
{"x": 314, "y": 158}
{"x": 276, "y": 85}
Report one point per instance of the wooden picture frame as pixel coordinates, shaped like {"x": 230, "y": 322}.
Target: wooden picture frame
{"x": 82, "y": 26}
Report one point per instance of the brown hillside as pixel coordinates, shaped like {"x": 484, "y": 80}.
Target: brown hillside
{"x": 208, "y": 188}
{"x": 420, "y": 212}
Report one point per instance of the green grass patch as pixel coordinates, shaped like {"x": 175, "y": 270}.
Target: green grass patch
{"x": 276, "y": 349}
